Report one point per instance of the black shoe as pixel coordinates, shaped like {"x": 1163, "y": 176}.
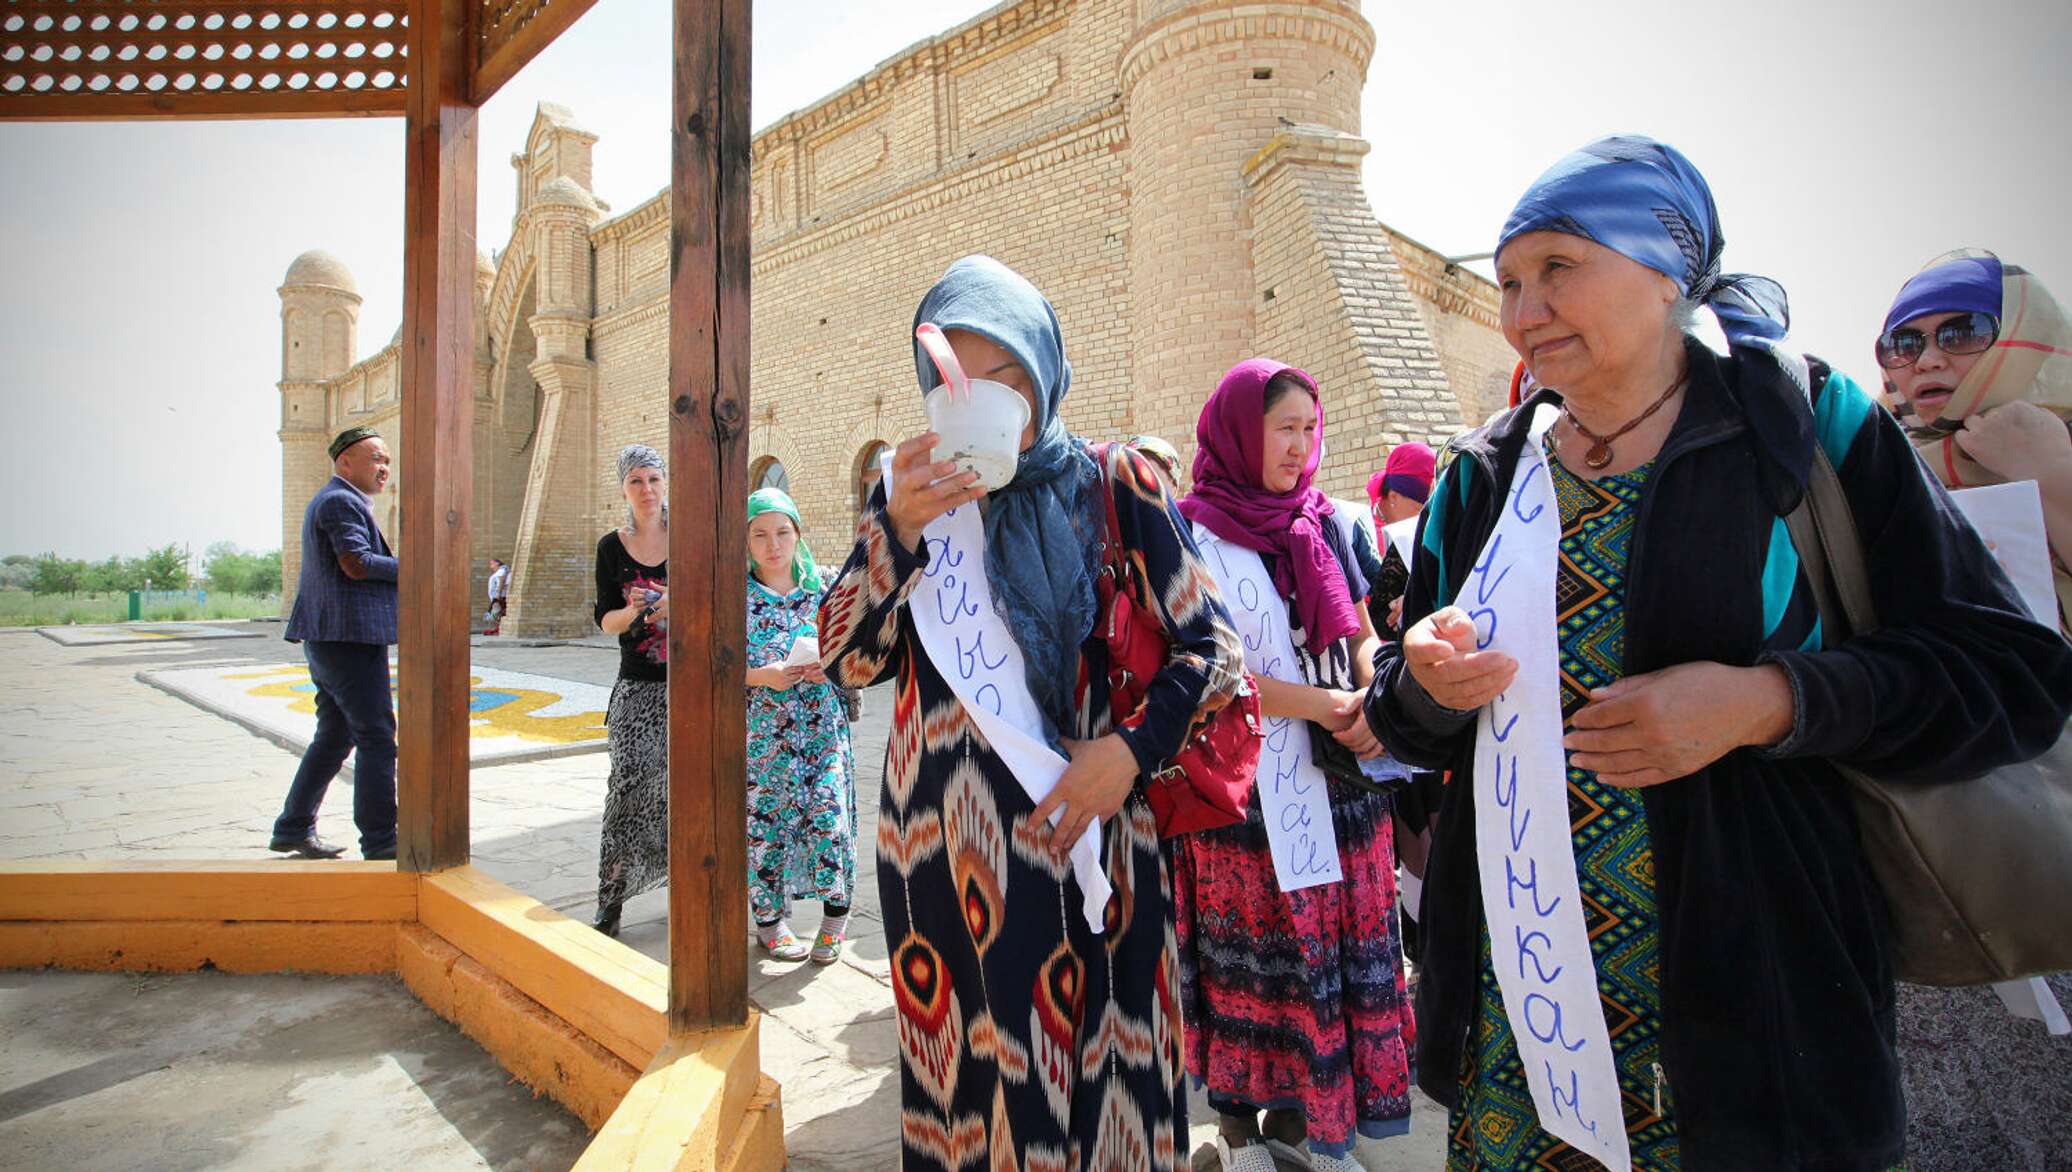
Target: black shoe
{"x": 385, "y": 854}
{"x": 607, "y": 920}
{"x": 308, "y": 847}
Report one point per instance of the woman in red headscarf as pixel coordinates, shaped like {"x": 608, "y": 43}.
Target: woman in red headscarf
{"x": 1292, "y": 985}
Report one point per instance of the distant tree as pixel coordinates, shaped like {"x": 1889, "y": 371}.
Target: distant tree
{"x": 56, "y": 575}
{"x": 267, "y": 578}
{"x": 165, "y": 568}
{"x": 233, "y": 571}
{"x": 17, "y": 572}
{"x": 115, "y": 575}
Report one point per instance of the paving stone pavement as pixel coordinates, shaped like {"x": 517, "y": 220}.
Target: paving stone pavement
{"x": 94, "y": 764}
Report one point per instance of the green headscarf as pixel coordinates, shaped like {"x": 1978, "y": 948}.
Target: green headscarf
{"x": 776, "y": 500}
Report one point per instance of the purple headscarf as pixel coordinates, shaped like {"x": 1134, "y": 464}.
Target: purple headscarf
{"x": 1962, "y": 284}
{"x": 1231, "y": 501}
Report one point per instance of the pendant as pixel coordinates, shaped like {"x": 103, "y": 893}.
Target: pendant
{"x": 1599, "y": 455}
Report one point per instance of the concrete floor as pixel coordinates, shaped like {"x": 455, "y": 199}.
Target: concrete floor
{"x": 275, "y": 1071}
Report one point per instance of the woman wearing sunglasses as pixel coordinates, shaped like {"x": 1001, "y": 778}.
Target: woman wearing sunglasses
{"x": 1978, "y": 366}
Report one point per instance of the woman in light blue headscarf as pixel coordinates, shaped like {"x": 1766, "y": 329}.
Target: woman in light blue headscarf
{"x": 1027, "y": 1040}
{"x": 1737, "y": 936}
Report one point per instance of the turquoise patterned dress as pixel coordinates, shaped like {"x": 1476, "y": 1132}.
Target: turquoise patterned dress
{"x": 801, "y": 777}
{"x": 1493, "y": 1126}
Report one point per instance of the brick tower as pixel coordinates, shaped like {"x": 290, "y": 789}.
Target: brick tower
{"x": 1207, "y": 86}
{"x": 320, "y": 332}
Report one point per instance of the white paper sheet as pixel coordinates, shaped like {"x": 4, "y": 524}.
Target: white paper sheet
{"x": 2033, "y": 999}
{"x": 1402, "y": 534}
{"x": 2010, "y": 518}
{"x": 1530, "y": 895}
{"x": 971, "y": 647}
{"x": 1293, "y": 797}
{"x": 804, "y": 650}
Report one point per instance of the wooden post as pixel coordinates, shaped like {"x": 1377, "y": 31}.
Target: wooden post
{"x": 438, "y": 441}
{"x": 708, "y": 544}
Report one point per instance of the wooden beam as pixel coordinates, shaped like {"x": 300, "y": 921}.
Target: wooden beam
{"x": 708, "y": 485}
{"x": 185, "y": 946}
{"x": 603, "y": 988}
{"x": 93, "y": 107}
{"x": 537, "y": 1046}
{"x": 438, "y": 441}
{"x": 689, "y": 1107}
{"x": 195, "y": 890}
{"x": 501, "y": 62}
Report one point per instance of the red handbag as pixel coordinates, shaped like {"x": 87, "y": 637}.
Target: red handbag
{"x": 1207, "y": 784}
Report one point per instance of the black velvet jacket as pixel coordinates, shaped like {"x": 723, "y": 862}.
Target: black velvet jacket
{"x": 1777, "y": 1032}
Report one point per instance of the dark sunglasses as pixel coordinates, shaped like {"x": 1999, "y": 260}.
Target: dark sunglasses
{"x": 1967, "y": 333}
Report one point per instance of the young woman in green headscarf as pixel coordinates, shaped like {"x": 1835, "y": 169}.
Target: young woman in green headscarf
{"x": 801, "y": 776}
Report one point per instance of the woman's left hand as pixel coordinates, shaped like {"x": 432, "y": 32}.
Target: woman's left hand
{"x": 813, "y": 673}
{"x": 1093, "y": 787}
{"x": 2018, "y": 440}
{"x": 1647, "y": 729}
{"x": 1356, "y": 735}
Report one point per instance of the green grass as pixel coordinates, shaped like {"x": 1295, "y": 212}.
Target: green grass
{"x": 19, "y": 608}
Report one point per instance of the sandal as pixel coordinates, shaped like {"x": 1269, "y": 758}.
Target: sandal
{"x": 778, "y": 941}
{"x": 1251, "y": 1157}
{"x": 827, "y": 947}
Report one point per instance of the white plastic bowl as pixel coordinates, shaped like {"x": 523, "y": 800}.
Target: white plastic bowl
{"x": 981, "y": 432}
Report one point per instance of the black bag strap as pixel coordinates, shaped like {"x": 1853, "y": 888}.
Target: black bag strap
{"x": 1823, "y": 529}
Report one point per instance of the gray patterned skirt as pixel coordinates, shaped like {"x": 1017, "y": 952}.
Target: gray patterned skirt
{"x": 633, "y": 850}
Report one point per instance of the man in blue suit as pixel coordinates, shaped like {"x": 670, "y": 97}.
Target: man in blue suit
{"x": 345, "y": 619}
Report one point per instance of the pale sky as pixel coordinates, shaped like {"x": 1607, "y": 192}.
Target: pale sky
{"x": 1846, "y": 144}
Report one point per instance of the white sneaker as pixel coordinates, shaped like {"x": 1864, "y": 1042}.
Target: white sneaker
{"x": 1252, "y": 1157}
{"x": 1320, "y": 1162}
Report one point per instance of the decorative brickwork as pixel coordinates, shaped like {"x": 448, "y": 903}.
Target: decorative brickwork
{"x": 1181, "y": 179}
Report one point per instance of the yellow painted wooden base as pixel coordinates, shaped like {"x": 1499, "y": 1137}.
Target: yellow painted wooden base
{"x": 568, "y": 1012}
{"x": 652, "y": 1130}
{"x": 179, "y": 946}
{"x": 540, "y": 1049}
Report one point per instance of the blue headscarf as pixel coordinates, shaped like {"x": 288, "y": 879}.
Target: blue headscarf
{"x": 1042, "y": 536}
{"x": 1644, "y": 200}
{"x": 1962, "y": 284}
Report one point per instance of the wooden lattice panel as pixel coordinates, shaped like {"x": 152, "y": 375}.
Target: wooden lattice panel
{"x": 509, "y": 33}
{"x": 500, "y": 20}
{"x": 201, "y": 58}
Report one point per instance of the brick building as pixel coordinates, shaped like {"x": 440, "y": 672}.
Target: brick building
{"x": 1182, "y": 179}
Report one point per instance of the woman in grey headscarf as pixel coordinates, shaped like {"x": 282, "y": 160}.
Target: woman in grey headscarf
{"x": 1030, "y": 1037}
{"x": 633, "y": 603}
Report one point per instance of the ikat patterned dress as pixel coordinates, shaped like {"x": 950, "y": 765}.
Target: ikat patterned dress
{"x": 1027, "y": 1042}
{"x": 1494, "y": 1125}
{"x": 801, "y": 777}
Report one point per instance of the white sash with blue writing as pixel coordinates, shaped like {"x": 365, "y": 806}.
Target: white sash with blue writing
{"x": 1537, "y": 938}
{"x": 975, "y": 654}
{"x": 1293, "y": 798}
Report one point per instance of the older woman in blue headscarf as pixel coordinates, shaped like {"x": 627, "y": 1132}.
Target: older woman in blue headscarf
{"x": 1606, "y": 572}
{"x": 1038, "y": 1025}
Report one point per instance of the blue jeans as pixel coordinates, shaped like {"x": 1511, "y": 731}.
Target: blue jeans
{"x": 353, "y": 712}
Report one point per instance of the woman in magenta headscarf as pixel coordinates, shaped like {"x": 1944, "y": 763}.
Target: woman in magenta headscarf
{"x": 1294, "y": 999}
